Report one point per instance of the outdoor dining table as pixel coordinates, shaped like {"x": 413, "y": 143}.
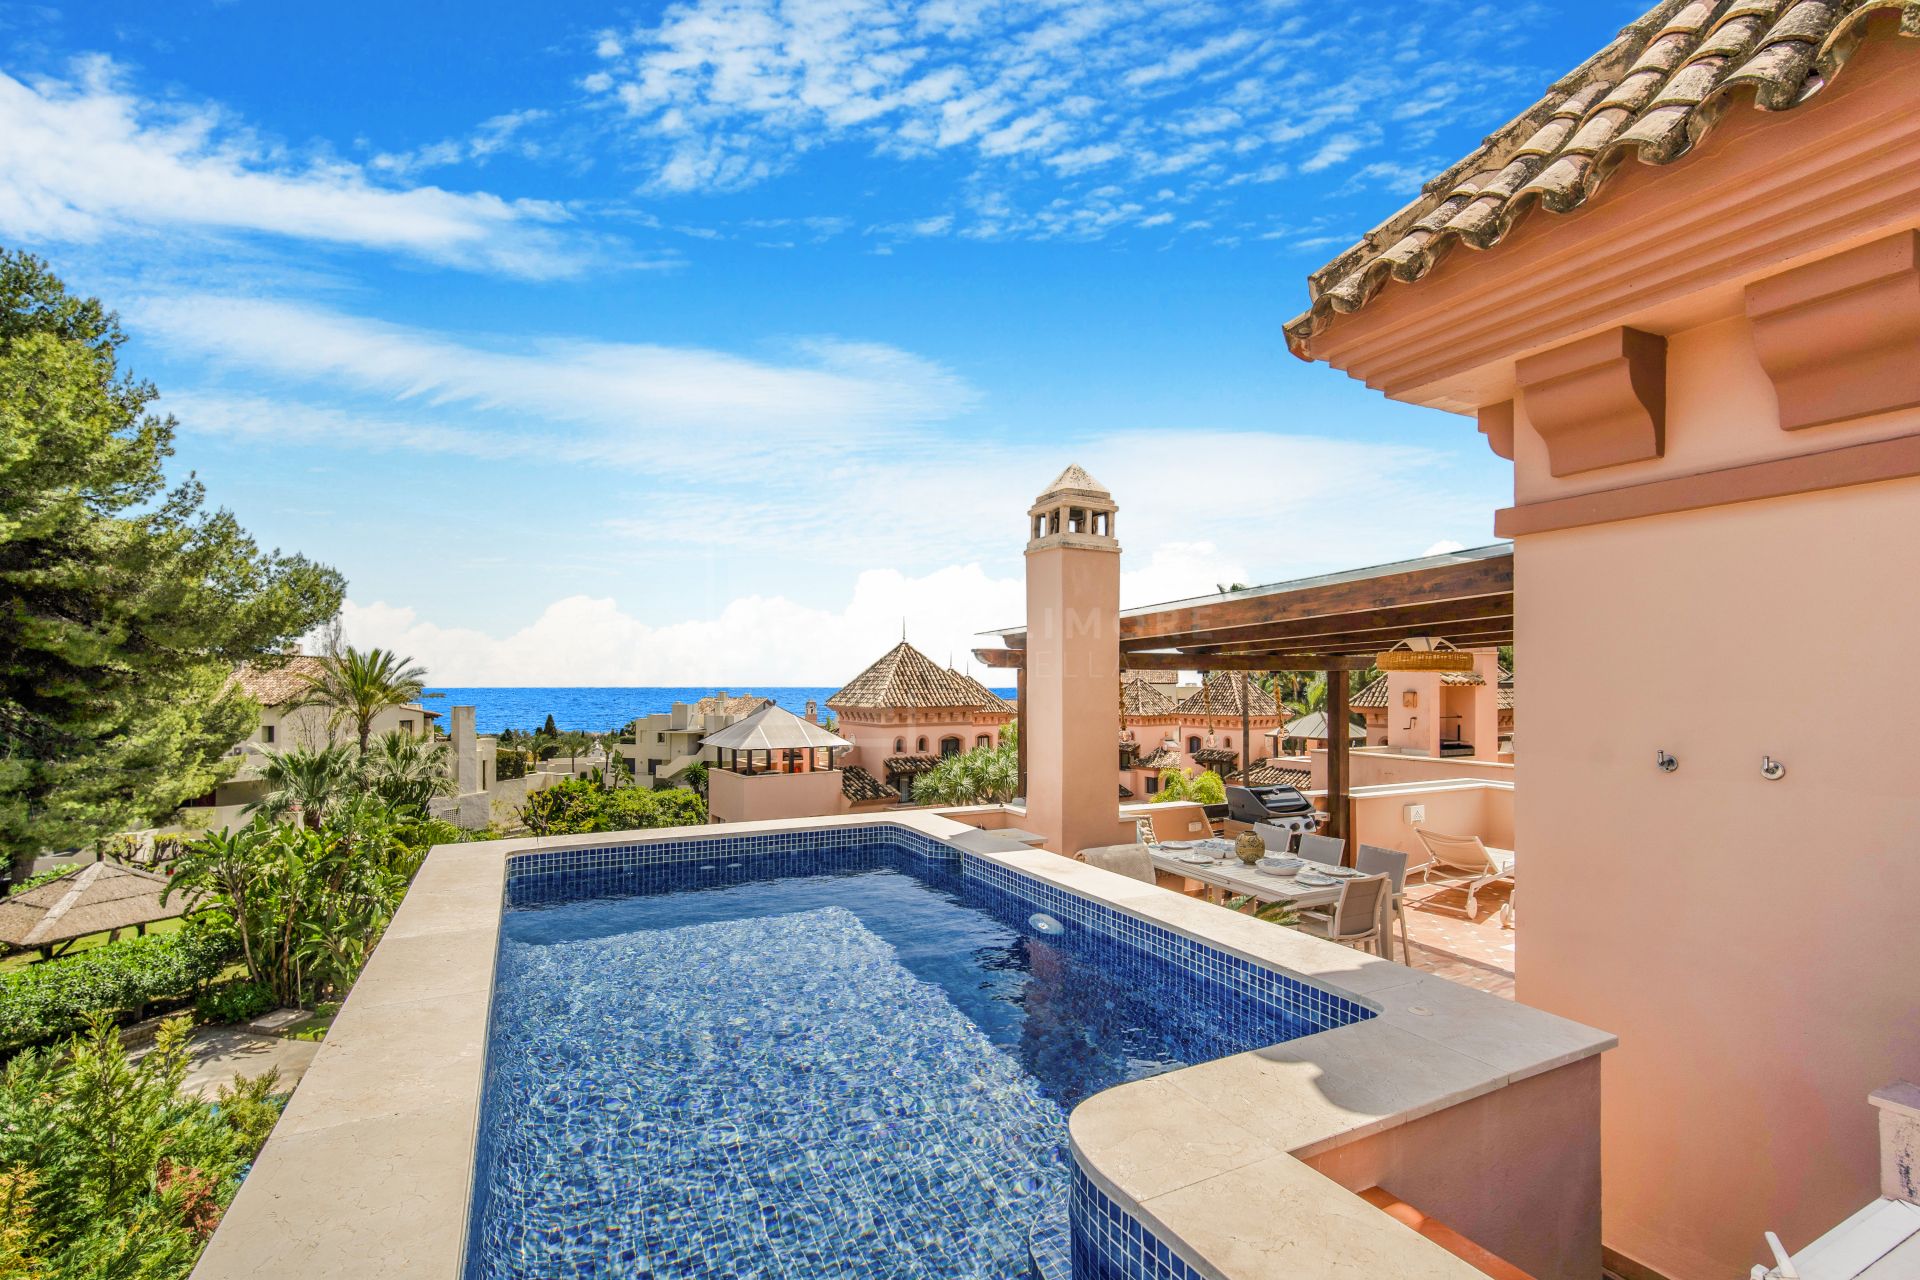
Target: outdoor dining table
{"x": 1230, "y": 875}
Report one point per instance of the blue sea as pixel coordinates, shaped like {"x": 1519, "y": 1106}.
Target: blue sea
{"x": 600, "y": 710}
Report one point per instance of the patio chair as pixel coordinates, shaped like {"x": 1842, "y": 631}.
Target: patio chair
{"x": 1372, "y": 860}
{"x": 1356, "y": 914}
{"x": 1277, "y": 839}
{"x": 1465, "y": 858}
{"x": 1174, "y": 820}
{"x": 1135, "y": 861}
{"x": 1327, "y": 849}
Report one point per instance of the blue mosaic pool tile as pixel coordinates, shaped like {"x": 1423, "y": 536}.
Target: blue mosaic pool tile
{"x": 1086, "y": 1238}
{"x": 1108, "y": 1243}
{"x": 557, "y": 875}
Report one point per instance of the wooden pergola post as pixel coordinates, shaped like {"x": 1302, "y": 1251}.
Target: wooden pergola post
{"x": 1246, "y": 730}
{"x": 1020, "y": 729}
{"x": 1338, "y": 744}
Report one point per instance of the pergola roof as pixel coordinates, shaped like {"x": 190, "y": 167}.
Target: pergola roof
{"x": 1334, "y": 621}
{"x": 1313, "y": 725}
{"x": 773, "y": 728}
{"x": 100, "y": 897}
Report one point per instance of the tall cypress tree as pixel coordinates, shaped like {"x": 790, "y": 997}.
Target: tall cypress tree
{"x": 124, "y": 603}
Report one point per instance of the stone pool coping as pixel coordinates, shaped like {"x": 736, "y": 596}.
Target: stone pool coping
{"x": 370, "y": 1170}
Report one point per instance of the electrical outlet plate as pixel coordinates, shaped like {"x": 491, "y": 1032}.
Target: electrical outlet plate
{"x": 1416, "y": 814}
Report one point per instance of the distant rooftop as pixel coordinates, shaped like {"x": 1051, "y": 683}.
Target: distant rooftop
{"x": 773, "y": 728}
{"x": 904, "y": 677}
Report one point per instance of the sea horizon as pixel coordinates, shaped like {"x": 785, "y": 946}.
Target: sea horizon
{"x": 604, "y": 708}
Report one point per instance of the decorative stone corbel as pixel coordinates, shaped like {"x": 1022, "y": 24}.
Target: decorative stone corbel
{"x": 1840, "y": 338}
{"x": 1496, "y": 424}
{"x": 1600, "y": 401}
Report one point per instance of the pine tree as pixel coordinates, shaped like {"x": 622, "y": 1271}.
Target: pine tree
{"x": 125, "y": 605}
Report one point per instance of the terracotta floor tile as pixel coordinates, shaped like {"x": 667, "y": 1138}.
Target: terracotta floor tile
{"x": 1475, "y": 953}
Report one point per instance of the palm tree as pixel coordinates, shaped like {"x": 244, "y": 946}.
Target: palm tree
{"x": 984, "y": 775}
{"x": 307, "y": 780}
{"x": 406, "y": 772}
{"x": 358, "y": 686}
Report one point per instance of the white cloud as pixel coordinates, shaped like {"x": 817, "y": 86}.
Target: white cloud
{"x": 587, "y": 640}
{"x": 1336, "y": 150}
{"x": 510, "y": 394}
{"x": 722, "y": 94}
{"x": 494, "y": 136}
{"x": 1444, "y": 546}
{"x": 592, "y": 640}
{"x": 83, "y": 160}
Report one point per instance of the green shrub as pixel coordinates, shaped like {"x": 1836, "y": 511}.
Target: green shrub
{"x": 50, "y": 999}
{"x": 235, "y": 1001}
{"x": 110, "y": 1171}
{"x": 584, "y": 804}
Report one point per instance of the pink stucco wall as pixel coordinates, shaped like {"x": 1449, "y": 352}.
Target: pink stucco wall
{"x": 1455, "y": 809}
{"x": 1379, "y": 768}
{"x": 1073, "y": 694}
{"x": 739, "y": 797}
{"x": 1516, "y": 1171}
{"x": 1753, "y": 943}
{"x": 874, "y": 738}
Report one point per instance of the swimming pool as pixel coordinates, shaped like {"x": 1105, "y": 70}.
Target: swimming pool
{"x": 845, "y": 1052}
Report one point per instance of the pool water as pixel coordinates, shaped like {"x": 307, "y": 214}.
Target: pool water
{"x": 861, "y": 1072}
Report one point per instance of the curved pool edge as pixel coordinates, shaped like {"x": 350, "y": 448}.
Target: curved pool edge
{"x": 371, "y": 1169}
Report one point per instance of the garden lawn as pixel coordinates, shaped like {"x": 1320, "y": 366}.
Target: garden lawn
{"x": 21, "y": 959}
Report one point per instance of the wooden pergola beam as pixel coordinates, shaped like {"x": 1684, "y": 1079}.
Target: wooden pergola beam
{"x": 1468, "y": 580}
{"x": 1383, "y": 627}
{"x": 1015, "y": 660}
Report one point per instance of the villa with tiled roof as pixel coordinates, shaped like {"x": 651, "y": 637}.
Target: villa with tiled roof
{"x": 1681, "y": 296}
{"x": 288, "y": 720}
{"x": 1441, "y": 713}
{"x": 906, "y": 711}
{"x": 1200, "y": 731}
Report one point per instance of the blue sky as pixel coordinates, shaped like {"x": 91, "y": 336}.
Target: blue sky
{"x": 706, "y": 342}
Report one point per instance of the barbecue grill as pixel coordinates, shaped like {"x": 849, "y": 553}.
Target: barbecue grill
{"x": 1283, "y": 807}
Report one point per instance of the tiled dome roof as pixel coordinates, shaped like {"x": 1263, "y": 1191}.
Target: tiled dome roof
{"x": 906, "y": 677}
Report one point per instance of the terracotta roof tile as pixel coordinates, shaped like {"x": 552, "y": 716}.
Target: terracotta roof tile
{"x": 1162, "y": 757}
{"x": 910, "y": 764}
{"x": 905, "y": 677}
{"x": 1651, "y": 95}
{"x": 1138, "y": 698}
{"x": 861, "y": 787}
{"x": 1219, "y": 695}
{"x": 1375, "y": 694}
{"x": 1268, "y": 773}
{"x": 278, "y": 685}
{"x": 739, "y": 706}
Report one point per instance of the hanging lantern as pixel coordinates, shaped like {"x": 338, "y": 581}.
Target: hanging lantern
{"x": 1424, "y": 653}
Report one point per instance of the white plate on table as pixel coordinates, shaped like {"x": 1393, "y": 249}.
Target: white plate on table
{"x": 1344, "y": 873}
{"x": 1178, "y": 844}
{"x": 1271, "y": 863}
{"x": 1195, "y": 859}
{"x": 1315, "y": 880}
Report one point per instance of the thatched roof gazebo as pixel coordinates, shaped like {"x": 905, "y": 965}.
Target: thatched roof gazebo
{"x": 102, "y": 898}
